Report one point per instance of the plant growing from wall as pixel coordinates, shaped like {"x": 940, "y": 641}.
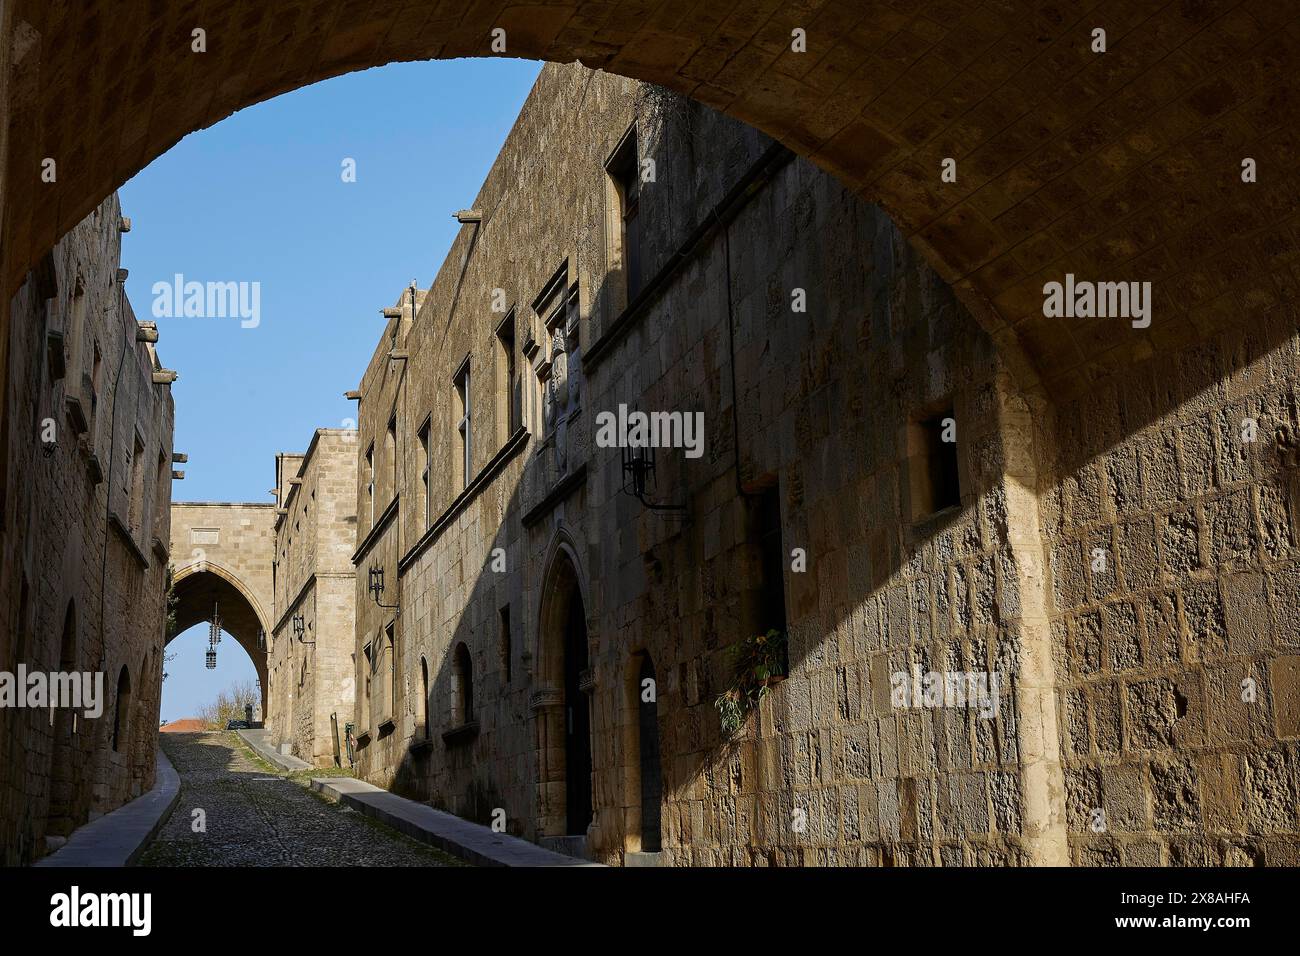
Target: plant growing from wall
{"x": 757, "y": 664}
{"x": 172, "y": 601}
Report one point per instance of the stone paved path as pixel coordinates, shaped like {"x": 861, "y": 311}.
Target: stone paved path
{"x": 256, "y": 817}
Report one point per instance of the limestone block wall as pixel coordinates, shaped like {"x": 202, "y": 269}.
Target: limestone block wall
{"x": 826, "y": 404}
{"x": 234, "y": 537}
{"x": 312, "y": 677}
{"x": 1121, "y": 564}
{"x": 831, "y": 772}
{"x": 83, "y": 540}
{"x": 1171, "y": 523}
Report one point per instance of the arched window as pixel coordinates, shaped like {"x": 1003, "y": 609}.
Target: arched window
{"x": 68, "y": 663}
{"x": 463, "y": 685}
{"x": 122, "y": 713}
{"x": 422, "y": 705}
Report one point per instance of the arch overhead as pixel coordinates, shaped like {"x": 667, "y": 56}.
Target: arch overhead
{"x": 201, "y": 588}
{"x": 1118, "y": 163}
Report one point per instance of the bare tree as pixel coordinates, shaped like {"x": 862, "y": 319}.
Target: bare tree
{"x": 230, "y": 705}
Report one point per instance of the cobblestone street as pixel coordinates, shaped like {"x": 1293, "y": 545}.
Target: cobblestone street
{"x": 257, "y": 817}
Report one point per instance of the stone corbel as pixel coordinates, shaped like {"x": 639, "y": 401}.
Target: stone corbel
{"x": 545, "y": 699}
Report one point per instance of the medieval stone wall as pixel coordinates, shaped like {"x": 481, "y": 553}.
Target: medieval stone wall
{"x": 84, "y": 543}
{"x": 828, "y": 403}
{"x": 311, "y": 676}
{"x": 1171, "y": 523}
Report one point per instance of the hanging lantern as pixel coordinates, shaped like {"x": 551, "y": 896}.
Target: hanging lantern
{"x": 212, "y": 659}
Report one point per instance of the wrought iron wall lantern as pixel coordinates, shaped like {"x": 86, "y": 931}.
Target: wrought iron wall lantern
{"x": 300, "y": 628}
{"x": 376, "y": 587}
{"x": 639, "y": 477}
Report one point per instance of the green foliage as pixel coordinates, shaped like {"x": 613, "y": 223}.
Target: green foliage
{"x": 756, "y": 663}
{"x": 172, "y": 601}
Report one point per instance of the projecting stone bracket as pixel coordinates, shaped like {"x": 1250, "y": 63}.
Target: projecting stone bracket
{"x": 460, "y": 735}
{"x": 543, "y": 699}
{"x": 54, "y": 355}
{"x": 76, "y": 414}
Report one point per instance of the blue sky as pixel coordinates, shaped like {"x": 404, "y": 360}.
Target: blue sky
{"x": 260, "y": 197}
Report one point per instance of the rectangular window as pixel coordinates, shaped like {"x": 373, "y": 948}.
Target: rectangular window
{"x": 932, "y": 465}
{"x": 390, "y": 456}
{"x": 772, "y": 562}
{"x": 426, "y": 473}
{"x": 136, "y": 507}
{"x": 463, "y": 425}
{"x": 510, "y": 392}
{"x": 94, "y": 384}
{"x": 370, "y": 483}
{"x": 625, "y": 175}
{"x": 368, "y": 669}
{"x": 161, "y": 494}
{"x": 505, "y": 642}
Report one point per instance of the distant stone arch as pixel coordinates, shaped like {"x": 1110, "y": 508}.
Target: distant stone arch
{"x": 205, "y": 585}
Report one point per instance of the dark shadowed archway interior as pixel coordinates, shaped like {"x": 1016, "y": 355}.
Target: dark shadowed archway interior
{"x": 200, "y": 593}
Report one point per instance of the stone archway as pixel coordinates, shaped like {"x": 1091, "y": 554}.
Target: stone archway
{"x": 222, "y": 556}
{"x": 1114, "y": 166}
{"x": 202, "y": 587}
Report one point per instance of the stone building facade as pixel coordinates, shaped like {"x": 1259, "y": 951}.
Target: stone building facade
{"x": 84, "y": 537}
{"x": 310, "y": 687}
{"x": 876, "y": 479}
{"x": 872, "y": 481}
{"x": 664, "y": 258}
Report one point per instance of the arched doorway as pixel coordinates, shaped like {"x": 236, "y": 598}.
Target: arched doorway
{"x": 121, "y": 739}
{"x": 648, "y": 762}
{"x": 564, "y": 708}
{"x": 64, "y": 817}
{"x": 577, "y": 716}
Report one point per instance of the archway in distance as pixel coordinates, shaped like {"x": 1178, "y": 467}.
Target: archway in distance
{"x": 200, "y": 588}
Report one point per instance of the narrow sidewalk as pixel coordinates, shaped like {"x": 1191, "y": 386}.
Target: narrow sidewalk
{"x": 118, "y": 838}
{"x": 471, "y": 842}
{"x": 260, "y": 741}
